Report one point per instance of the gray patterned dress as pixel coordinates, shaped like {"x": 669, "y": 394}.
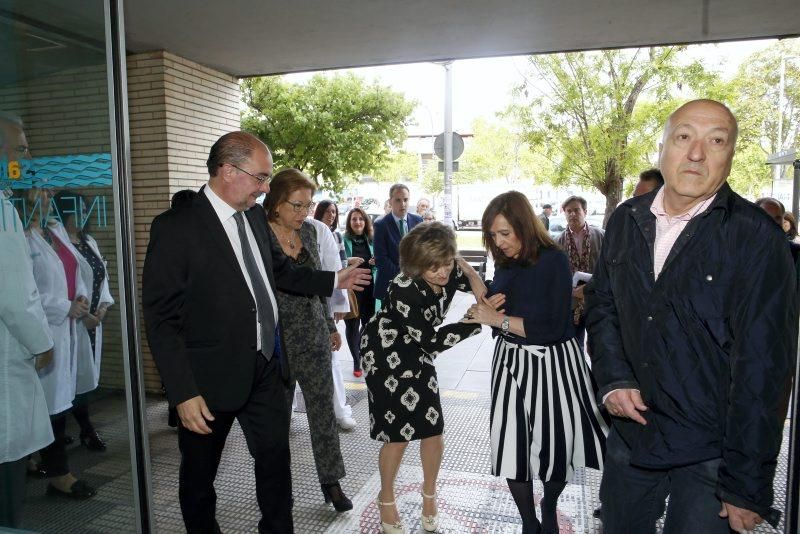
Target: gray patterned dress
{"x": 398, "y": 348}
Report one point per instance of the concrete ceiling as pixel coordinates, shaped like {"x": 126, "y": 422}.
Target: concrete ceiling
{"x": 248, "y": 37}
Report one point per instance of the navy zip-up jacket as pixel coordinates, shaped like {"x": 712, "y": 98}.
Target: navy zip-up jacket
{"x": 711, "y": 344}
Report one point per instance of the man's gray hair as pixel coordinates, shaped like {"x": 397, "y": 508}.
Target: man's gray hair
{"x": 9, "y": 118}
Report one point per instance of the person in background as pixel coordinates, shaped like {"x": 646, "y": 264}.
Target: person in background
{"x": 582, "y": 243}
{"x": 649, "y": 180}
{"x": 428, "y": 216}
{"x": 71, "y": 207}
{"x": 790, "y": 227}
{"x": 388, "y": 232}
{"x": 774, "y": 208}
{"x": 423, "y": 205}
{"x": 330, "y": 254}
{"x": 693, "y": 339}
{"x": 358, "y": 244}
{"x": 328, "y": 212}
{"x": 25, "y": 346}
{"x": 57, "y": 269}
{"x": 400, "y": 344}
{"x": 544, "y": 216}
{"x": 307, "y": 327}
{"x": 544, "y": 420}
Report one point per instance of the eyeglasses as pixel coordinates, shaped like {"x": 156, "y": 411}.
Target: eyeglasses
{"x": 260, "y": 178}
{"x": 299, "y": 206}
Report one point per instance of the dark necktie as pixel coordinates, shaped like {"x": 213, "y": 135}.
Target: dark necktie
{"x": 402, "y": 223}
{"x": 266, "y": 314}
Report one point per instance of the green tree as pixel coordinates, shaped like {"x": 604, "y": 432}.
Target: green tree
{"x": 495, "y": 151}
{"x": 399, "y": 166}
{"x": 754, "y": 100}
{"x": 596, "y": 115}
{"x": 332, "y": 127}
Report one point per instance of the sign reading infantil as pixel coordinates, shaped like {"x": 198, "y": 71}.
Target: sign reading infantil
{"x": 81, "y": 171}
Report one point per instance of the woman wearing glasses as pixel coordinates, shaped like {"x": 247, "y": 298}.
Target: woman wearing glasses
{"x": 308, "y": 333}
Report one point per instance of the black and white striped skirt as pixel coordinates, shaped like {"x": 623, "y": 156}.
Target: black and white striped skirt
{"x": 544, "y": 417}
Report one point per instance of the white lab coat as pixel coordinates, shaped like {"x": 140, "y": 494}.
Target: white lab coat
{"x": 24, "y": 422}
{"x": 88, "y": 373}
{"x": 331, "y": 261}
{"x": 59, "y": 379}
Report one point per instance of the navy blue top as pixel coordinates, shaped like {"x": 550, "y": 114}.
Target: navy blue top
{"x": 541, "y": 294}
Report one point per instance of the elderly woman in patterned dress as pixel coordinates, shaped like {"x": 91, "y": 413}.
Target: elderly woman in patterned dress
{"x": 399, "y": 346}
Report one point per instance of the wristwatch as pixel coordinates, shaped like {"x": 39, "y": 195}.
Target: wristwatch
{"x": 504, "y": 325}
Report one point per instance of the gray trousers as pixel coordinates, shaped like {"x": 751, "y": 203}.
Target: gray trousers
{"x": 312, "y": 370}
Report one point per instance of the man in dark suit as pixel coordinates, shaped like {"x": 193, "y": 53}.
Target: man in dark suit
{"x": 389, "y": 230}
{"x": 211, "y": 316}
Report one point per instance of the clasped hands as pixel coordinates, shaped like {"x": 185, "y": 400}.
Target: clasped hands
{"x": 486, "y": 310}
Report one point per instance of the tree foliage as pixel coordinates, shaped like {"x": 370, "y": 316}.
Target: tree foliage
{"x": 596, "y": 116}
{"x": 754, "y": 99}
{"x": 397, "y": 167}
{"x": 331, "y": 127}
{"x": 494, "y": 152}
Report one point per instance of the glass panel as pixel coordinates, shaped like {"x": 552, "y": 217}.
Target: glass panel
{"x": 59, "y": 278}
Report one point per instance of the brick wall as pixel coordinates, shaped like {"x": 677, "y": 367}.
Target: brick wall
{"x": 177, "y": 109}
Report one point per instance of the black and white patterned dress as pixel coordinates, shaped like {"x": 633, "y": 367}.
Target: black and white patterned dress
{"x": 398, "y": 348}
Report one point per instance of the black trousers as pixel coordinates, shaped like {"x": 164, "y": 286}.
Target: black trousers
{"x": 635, "y": 498}
{"x": 54, "y": 456}
{"x": 12, "y": 492}
{"x": 265, "y": 422}
{"x": 354, "y": 327}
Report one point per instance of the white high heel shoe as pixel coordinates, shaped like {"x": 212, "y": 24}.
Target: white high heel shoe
{"x": 429, "y": 522}
{"x": 389, "y": 528}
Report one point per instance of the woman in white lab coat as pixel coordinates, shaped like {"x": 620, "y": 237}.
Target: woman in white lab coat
{"x": 65, "y": 302}
{"x": 75, "y": 232}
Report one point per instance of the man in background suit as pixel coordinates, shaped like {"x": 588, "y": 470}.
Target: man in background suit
{"x": 211, "y": 316}
{"x": 389, "y": 230}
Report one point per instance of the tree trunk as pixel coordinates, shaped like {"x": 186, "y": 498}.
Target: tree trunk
{"x": 613, "y": 194}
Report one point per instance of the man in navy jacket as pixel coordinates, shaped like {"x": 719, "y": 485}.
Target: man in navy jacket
{"x": 692, "y": 320}
{"x": 389, "y": 230}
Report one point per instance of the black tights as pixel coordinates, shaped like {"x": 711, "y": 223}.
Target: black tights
{"x": 522, "y": 492}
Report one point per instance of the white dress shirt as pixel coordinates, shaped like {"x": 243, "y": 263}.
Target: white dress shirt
{"x": 225, "y": 213}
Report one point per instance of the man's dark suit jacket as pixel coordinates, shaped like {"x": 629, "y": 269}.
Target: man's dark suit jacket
{"x": 387, "y": 250}
{"x": 199, "y": 313}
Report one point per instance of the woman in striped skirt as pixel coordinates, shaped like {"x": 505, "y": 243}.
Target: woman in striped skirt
{"x": 544, "y": 418}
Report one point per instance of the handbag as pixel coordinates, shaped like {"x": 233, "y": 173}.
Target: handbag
{"x": 353, "y": 301}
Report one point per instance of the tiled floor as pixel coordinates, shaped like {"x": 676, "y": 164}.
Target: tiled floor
{"x": 470, "y": 499}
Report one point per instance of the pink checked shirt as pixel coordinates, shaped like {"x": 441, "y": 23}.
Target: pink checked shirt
{"x": 669, "y": 228}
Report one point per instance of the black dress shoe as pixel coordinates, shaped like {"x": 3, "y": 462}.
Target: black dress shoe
{"x": 80, "y": 490}
{"x": 68, "y": 440}
{"x": 93, "y": 442}
{"x": 333, "y": 493}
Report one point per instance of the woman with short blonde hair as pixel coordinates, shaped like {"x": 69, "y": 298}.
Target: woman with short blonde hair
{"x": 399, "y": 346}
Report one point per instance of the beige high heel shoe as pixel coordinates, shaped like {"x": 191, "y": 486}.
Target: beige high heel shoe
{"x": 389, "y": 528}
{"x": 429, "y": 522}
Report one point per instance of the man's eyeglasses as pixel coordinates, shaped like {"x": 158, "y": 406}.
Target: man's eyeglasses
{"x": 260, "y": 178}
{"x": 299, "y": 206}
